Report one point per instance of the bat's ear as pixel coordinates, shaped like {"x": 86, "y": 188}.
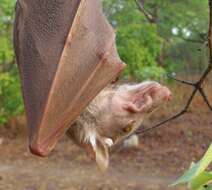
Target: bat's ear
{"x": 138, "y": 97}
{"x": 98, "y": 150}
{"x": 141, "y": 104}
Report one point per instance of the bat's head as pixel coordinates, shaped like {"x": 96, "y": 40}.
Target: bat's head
{"x": 128, "y": 106}
{"x": 116, "y": 113}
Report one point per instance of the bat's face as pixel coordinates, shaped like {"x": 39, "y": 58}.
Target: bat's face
{"x": 115, "y": 114}
{"x": 130, "y": 104}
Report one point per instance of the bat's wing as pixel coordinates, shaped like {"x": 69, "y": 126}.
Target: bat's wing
{"x": 66, "y": 54}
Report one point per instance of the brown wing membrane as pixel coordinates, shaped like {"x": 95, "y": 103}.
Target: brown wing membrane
{"x": 66, "y": 54}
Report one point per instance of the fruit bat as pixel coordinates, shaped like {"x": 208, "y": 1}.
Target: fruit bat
{"x": 66, "y": 54}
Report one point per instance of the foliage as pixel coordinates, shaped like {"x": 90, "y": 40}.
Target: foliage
{"x": 178, "y": 25}
{"x": 197, "y": 177}
{"x": 10, "y": 97}
{"x": 6, "y": 47}
{"x": 139, "y": 45}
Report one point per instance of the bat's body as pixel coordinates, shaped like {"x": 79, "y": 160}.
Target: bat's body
{"x": 66, "y": 55}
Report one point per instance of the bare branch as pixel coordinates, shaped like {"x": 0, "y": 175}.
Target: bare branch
{"x": 197, "y": 85}
{"x": 192, "y": 40}
{"x": 182, "y": 112}
{"x": 141, "y": 131}
{"x": 182, "y": 81}
{"x": 148, "y": 15}
{"x": 205, "y": 98}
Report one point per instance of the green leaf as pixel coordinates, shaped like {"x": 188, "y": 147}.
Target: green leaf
{"x": 207, "y": 187}
{"x": 201, "y": 180}
{"x": 11, "y": 103}
{"x": 196, "y": 169}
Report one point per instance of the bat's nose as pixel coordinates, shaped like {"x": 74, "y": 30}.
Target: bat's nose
{"x": 167, "y": 93}
{"x": 169, "y": 96}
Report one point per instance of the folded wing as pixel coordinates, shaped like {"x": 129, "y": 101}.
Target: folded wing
{"x": 66, "y": 54}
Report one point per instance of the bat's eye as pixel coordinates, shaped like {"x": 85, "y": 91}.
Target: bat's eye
{"x": 151, "y": 110}
{"x": 129, "y": 127}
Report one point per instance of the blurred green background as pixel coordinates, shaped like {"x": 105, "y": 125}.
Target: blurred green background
{"x": 173, "y": 42}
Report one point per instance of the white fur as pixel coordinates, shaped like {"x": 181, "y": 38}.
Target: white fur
{"x": 132, "y": 141}
{"x": 90, "y": 136}
{"x": 109, "y": 142}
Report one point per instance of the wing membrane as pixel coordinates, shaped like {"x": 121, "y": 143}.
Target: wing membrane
{"x": 66, "y": 54}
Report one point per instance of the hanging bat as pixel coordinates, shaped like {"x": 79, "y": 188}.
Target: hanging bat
{"x": 66, "y": 55}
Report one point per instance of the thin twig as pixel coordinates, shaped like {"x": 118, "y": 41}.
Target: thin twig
{"x": 197, "y": 85}
{"x": 205, "y": 98}
{"x": 141, "y": 131}
{"x": 148, "y": 16}
{"x": 199, "y": 41}
{"x": 182, "y": 81}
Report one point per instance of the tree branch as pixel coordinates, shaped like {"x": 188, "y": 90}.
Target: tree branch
{"x": 205, "y": 98}
{"x": 197, "y": 85}
{"x": 148, "y": 15}
{"x": 192, "y": 40}
{"x": 181, "y": 81}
